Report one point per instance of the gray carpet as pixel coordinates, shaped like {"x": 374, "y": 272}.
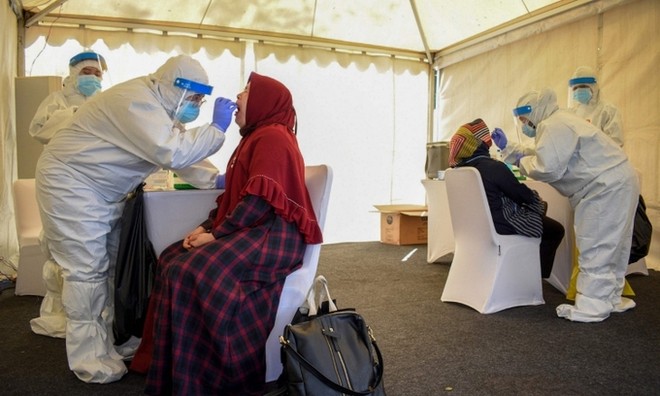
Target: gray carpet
{"x": 429, "y": 347}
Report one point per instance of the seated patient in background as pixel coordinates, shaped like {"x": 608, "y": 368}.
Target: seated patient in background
{"x": 515, "y": 208}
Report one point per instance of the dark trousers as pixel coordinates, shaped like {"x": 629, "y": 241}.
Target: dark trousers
{"x": 553, "y": 233}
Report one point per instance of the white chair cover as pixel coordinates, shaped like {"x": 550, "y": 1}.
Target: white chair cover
{"x": 490, "y": 272}
{"x": 318, "y": 179}
{"x": 29, "y": 279}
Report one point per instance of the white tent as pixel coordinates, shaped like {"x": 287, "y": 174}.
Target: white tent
{"x": 373, "y": 80}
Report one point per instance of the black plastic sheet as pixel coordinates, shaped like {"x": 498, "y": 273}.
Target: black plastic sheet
{"x": 642, "y": 231}
{"x": 134, "y": 271}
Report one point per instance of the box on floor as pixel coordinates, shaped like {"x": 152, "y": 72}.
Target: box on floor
{"x": 403, "y": 224}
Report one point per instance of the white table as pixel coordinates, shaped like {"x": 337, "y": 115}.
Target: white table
{"x": 172, "y": 214}
{"x": 441, "y": 235}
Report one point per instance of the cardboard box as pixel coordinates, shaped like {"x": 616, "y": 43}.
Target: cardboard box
{"x": 403, "y": 224}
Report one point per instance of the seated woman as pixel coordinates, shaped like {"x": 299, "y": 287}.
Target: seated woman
{"x": 216, "y": 292}
{"x": 515, "y": 208}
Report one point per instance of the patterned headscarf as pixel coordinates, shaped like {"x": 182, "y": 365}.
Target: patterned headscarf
{"x": 467, "y": 140}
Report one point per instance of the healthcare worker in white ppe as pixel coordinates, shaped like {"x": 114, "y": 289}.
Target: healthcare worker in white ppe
{"x": 586, "y": 166}
{"x": 84, "y": 81}
{"x": 84, "y": 174}
{"x": 585, "y": 102}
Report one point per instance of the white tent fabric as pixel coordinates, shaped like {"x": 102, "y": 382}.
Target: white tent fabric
{"x": 402, "y": 26}
{"x": 8, "y": 47}
{"x": 620, "y": 44}
{"x": 365, "y": 100}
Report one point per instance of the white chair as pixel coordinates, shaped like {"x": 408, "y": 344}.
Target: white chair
{"x": 318, "y": 179}
{"x": 29, "y": 279}
{"x": 490, "y": 272}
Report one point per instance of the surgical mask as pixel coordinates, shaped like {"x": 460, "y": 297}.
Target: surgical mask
{"x": 528, "y": 130}
{"x": 582, "y": 95}
{"x": 188, "y": 112}
{"x": 88, "y": 85}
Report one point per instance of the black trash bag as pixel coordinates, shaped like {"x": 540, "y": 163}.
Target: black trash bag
{"x": 134, "y": 271}
{"x": 642, "y": 230}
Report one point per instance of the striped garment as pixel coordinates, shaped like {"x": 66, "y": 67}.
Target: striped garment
{"x": 527, "y": 219}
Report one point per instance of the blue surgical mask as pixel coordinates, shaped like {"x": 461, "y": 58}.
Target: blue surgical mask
{"x": 582, "y": 95}
{"x": 528, "y": 130}
{"x": 89, "y": 85}
{"x": 188, "y": 112}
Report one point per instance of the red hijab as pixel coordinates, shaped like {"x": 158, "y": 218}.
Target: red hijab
{"x": 267, "y": 162}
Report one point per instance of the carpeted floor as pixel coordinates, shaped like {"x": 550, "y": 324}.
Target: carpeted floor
{"x": 429, "y": 347}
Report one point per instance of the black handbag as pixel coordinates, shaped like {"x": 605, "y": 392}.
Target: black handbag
{"x": 326, "y": 351}
{"x": 134, "y": 271}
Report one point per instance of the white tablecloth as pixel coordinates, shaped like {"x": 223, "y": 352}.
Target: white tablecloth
{"x": 441, "y": 235}
{"x": 170, "y": 215}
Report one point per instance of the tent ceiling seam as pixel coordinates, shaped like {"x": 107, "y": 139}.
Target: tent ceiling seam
{"x": 521, "y": 28}
{"x": 422, "y": 34}
{"x": 233, "y": 33}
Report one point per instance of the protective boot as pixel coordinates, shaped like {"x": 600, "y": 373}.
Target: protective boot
{"x": 88, "y": 345}
{"x": 593, "y": 299}
{"x": 52, "y": 318}
{"x": 621, "y": 304}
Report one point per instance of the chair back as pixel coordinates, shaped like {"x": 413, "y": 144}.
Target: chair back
{"x": 28, "y": 220}
{"x": 318, "y": 179}
{"x": 470, "y": 214}
{"x": 490, "y": 272}
{"x": 31, "y": 257}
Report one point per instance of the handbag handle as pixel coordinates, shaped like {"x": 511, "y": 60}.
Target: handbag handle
{"x": 324, "y": 295}
{"x": 379, "y": 370}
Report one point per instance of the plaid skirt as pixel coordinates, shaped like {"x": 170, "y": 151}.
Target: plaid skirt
{"x": 216, "y": 306}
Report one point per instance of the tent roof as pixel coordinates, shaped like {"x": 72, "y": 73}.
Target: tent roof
{"x": 416, "y": 28}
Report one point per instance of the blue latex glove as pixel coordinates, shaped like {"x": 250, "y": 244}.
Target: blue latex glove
{"x": 220, "y": 182}
{"x": 499, "y": 138}
{"x": 517, "y": 161}
{"x": 223, "y": 109}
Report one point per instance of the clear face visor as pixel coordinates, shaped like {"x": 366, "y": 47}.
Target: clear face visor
{"x": 193, "y": 94}
{"x": 577, "y": 83}
{"x": 521, "y": 117}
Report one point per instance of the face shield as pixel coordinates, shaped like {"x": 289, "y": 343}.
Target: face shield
{"x": 90, "y": 55}
{"x": 192, "y": 98}
{"x": 86, "y": 72}
{"x": 521, "y": 120}
{"x": 581, "y": 90}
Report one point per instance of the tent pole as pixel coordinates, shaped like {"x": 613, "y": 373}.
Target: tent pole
{"x": 422, "y": 35}
{"x": 37, "y": 17}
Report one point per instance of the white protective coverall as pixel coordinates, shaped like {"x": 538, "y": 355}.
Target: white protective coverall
{"x": 58, "y": 107}
{"x": 598, "y": 112}
{"x": 83, "y": 176}
{"x": 586, "y": 166}
{"x": 53, "y": 113}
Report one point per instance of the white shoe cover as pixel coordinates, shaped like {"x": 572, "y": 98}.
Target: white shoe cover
{"x": 570, "y": 312}
{"x": 88, "y": 345}
{"x": 52, "y": 318}
{"x": 624, "y": 305}
{"x": 51, "y": 325}
{"x": 127, "y": 349}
